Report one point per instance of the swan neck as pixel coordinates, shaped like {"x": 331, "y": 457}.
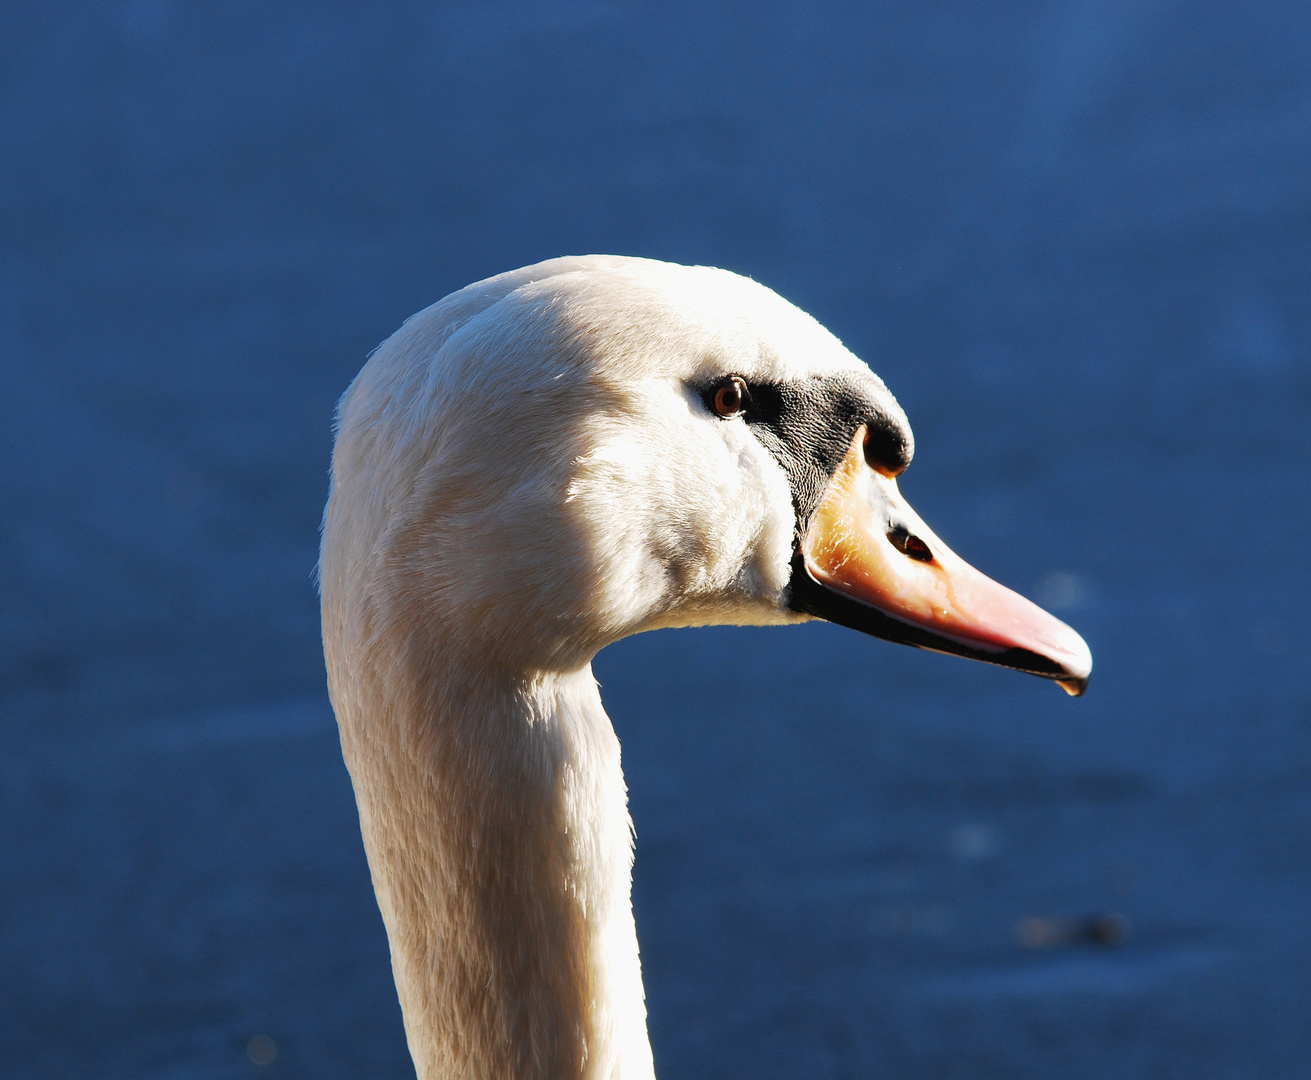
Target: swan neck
{"x": 495, "y": 819}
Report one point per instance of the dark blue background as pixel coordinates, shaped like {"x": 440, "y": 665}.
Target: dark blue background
{"x": 1075, "y": 239}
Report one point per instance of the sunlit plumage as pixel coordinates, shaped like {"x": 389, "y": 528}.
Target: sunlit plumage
{"x": 524, "y": 473}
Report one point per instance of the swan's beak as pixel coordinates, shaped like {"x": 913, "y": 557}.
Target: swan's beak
{"x": 869, "y": 562}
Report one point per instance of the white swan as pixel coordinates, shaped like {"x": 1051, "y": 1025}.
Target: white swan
{"x": 528, "y": 470}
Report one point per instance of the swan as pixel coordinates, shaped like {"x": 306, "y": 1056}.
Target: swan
{"x": 534, "y": 467}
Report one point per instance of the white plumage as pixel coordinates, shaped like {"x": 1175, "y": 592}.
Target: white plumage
{"x": 524, "y": 473}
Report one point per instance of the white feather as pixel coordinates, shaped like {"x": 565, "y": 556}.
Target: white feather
{"x": 523, "y": 475}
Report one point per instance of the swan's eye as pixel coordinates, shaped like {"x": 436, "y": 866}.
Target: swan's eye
{"x": 730, "y": 397}
{"x": 909, "y": 544}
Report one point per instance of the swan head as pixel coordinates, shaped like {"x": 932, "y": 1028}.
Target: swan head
{"x": 556, "y": 458}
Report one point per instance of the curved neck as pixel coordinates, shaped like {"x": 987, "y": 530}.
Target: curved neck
{"x": 495, "y": 819}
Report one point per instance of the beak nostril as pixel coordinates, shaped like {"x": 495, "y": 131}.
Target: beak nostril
{"x": 909, "y": 544}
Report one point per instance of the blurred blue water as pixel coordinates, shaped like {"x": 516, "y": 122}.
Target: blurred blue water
{"x": 1073, "y": 237}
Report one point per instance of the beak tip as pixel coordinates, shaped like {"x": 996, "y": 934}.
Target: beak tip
{"x": 1079, "y": 666}
{"x": 1075, "y": 687}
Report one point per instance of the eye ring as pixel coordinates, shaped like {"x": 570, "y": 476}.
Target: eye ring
{"x": 730, "y": 397}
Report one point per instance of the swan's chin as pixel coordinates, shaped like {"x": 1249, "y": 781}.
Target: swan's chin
{"x": 748, "y": 612}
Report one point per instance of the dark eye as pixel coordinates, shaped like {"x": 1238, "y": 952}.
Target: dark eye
{"x": 730, "y": 396}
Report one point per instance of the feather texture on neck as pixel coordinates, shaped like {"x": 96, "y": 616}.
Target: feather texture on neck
{"x": 494, "y": 815}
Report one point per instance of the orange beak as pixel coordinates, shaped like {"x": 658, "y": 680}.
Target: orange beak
{"x": 869, "y": 562}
